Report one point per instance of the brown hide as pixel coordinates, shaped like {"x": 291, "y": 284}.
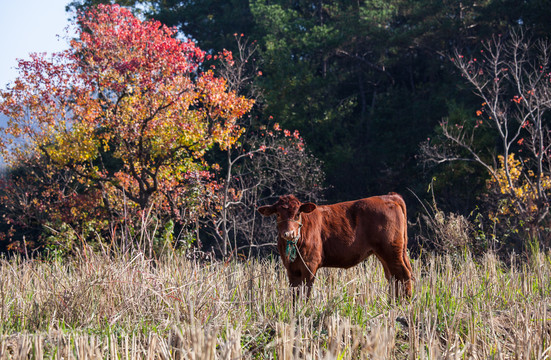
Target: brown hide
{"x": 342, "y": 235}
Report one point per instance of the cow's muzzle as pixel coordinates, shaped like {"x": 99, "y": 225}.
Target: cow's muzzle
{"x": 290, "y": 235}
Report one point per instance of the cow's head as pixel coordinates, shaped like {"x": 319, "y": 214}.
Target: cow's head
{"x": 288, "y": 209}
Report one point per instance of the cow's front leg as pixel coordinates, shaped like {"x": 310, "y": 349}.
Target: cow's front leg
{"x": 299, "y": 279}
{"x": 296, "y": 284}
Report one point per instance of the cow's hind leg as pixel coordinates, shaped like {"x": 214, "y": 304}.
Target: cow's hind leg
{"x": 406, "y": 261}
{"x": 397, "y": 270}
{"x": 408, "y": 265}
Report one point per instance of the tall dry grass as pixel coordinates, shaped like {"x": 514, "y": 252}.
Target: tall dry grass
{"x": 105, "y": 307}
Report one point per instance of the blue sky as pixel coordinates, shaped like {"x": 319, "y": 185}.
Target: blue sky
{"x": 29, "y": 26}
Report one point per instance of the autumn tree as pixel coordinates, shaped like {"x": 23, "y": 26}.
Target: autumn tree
{"x": 126, "y": 108}
{"x": 512, "y": 77}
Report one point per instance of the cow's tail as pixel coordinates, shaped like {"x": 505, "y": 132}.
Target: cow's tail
{"x": 405, "y": 257}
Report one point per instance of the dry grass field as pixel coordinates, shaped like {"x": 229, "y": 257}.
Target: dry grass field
{"x": 173, "y": 308}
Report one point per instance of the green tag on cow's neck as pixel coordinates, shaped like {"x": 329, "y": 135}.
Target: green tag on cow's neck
{"x": 291, "y": 250}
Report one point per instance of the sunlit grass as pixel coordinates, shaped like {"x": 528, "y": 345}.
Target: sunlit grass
{"x": 177, "y": 308}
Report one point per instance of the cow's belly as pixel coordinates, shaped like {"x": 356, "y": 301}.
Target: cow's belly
{"x": 347, "y": 260}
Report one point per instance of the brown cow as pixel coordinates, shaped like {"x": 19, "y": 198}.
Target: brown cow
{"x": 342, "y": 235}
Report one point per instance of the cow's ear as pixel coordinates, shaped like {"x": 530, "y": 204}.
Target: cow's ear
{"x": 307, "y": 208}
{"x": 267, "y": 210}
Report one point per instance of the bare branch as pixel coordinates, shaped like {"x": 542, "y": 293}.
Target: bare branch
{"x": 511, "y": 75}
